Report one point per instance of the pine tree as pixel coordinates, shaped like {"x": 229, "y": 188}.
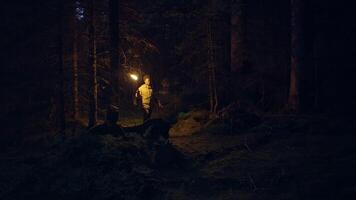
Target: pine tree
{"x": 297, "y": 54}
{"x": 75, "y": 75}
{"x": 114, "y": 48}
{"x": 93, "y": 85}
{"x": 60, "y": 89}
{"x": 213, "y": 96}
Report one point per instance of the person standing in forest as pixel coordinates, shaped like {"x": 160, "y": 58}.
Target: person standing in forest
{"x": 168, "y": 100}
{"x": 146, "y": 95}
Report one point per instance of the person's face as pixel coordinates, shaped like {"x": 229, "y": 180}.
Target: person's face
{"x": 147, "y": 81}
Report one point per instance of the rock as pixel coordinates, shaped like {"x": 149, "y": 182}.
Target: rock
{"x": 185, "y": 127}
{"x": 189, "y": 123}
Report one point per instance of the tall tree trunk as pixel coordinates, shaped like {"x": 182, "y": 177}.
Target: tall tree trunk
{"x": 93, "y": 86}
{"x": 238, "y": 35}
{"x": 75, "y": 65}
{"x": 227, "y": 40}
{"x": 115, "y": 63}
{"x": 297, "y": 54}
{"x": 213, "y": 97}
{"x": 60, "y": 85}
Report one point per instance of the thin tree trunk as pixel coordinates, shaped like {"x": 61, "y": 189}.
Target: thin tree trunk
{"x": 60, "y": 98}
{"x": 213, "y": 97}
{"x": 227, "y": 41}
{"x": 216, "y": 102}
{"x": 75, "y": 69}
{"x": 210, "y": 66}
{"x": 297, "y": 54}
{"x": 93, "y": 87}
{"x": 115, "y": 63}
{"x": 238, "y": 36}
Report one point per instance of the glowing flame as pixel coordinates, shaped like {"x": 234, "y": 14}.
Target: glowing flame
{"x": 134, "y": 77}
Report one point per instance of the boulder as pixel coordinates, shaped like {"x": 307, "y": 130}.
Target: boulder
{"x": 185, "y": 127}
{"x": 189, "y": 123}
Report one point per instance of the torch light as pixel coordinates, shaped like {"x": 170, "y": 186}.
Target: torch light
{"x": 134, "y": 77}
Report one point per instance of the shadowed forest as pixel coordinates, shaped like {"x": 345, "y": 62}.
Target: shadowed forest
{"x": 177, "y": 99}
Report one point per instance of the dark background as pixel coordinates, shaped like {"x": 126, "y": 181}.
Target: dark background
{"x": 29, "y": 67}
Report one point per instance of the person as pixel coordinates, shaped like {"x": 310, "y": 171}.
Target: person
{"x": 168, "y": 101}
{"x": 110, "y": 125}
{"x": 145, "y": 93}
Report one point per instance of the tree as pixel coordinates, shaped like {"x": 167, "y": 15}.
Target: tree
{"x": 238, "y": 35}
{"x": 213, "y": 96}
{"x": 75, "y": 74}
{"x": 297, "y": 54}
{"x": 114, "y": 48}
{"x": 60, "y": 89}
{"x": 93, "y": 85}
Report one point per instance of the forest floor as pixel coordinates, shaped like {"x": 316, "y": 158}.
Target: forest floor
{"x": 284, "y": 157}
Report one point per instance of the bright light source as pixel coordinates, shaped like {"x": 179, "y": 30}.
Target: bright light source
{"x": 134, "y": 77}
